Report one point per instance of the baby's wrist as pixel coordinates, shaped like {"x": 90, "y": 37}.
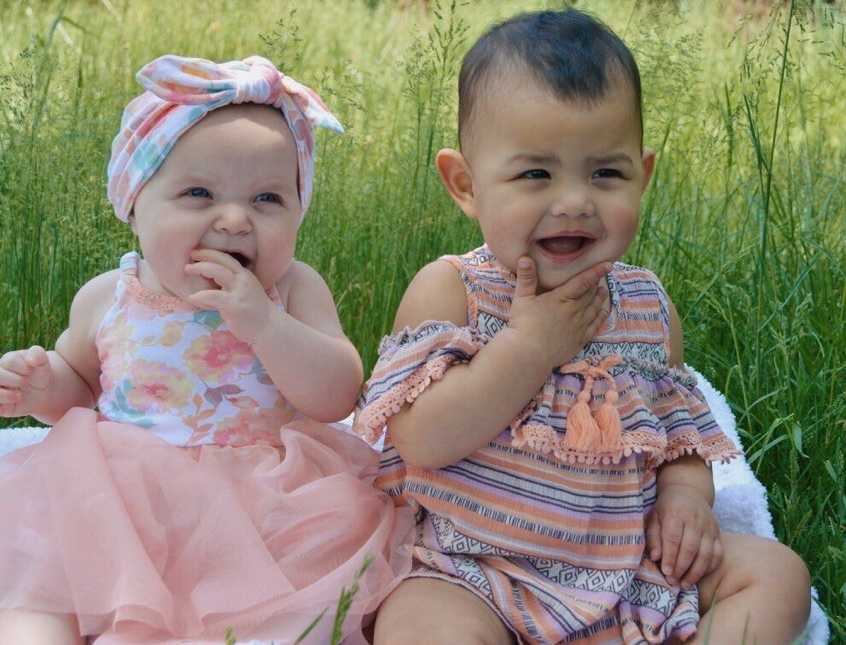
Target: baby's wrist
{"x": 266, "y": 331}
{"x": 687, "y": 488}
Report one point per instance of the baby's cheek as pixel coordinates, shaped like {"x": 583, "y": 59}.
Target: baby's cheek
{"x": 625, "y": 225}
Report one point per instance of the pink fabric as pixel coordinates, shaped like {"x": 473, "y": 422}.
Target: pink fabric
{"x": 181, "y": 91}
{"x": 147, "y": 542}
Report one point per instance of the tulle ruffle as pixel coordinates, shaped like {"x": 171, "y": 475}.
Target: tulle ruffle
{"x": 148, "y": 542}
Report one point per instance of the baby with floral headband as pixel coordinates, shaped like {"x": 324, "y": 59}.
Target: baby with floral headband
{"x": 209, "y": 490}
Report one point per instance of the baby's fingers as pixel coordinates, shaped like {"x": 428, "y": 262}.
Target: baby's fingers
{"x": 210, "y": 299}
{"x": 653, "y": 537}
{"x": 21, "y": 363}
{"x": 36, "y": 356}
{"x": 10, "y": 397}
{"x": 672, "y": 532}
{"x": 527, "y": 278}
{"x": 701, "y": 564}
{"x": 583, "y": 282}
{"x": 221, "y": 275}
{"x": 599, "y": 308}
{"x": 688, "y": 550}
{"x": 40, "y": 374}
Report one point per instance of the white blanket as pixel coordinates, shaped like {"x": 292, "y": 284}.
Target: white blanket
{"x": 740, "y": 506}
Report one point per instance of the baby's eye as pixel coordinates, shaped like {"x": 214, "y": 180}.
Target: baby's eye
{"x": 269, "y": 198}
{"x": 199, "y": 192}
{"x": 608, "y": 173}
{"x": 535, "y": 173}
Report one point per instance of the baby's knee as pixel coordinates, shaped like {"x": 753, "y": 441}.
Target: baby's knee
{"x": 432, "y": 612}
{"x": 783, "y": 575}
{"x": 425, "y": 631}
{"x": 781, "y": 564}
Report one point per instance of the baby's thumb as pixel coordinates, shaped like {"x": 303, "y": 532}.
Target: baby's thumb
{"x": 527, "y": 278}
{"x": 36, "y": 357}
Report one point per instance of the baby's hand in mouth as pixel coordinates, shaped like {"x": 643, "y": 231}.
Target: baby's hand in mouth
{"x": 201, "y": 254}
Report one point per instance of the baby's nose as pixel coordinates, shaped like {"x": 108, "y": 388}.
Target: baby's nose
{"x": 232, "y": 219}
{"x": 574, "y": 201}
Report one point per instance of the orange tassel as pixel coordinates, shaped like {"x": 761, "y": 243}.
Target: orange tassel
{"x": 610, "y": 426}
{"x": 582, "y": 432}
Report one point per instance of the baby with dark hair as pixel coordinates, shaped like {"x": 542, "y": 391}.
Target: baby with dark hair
{"x": 540, "y": 419}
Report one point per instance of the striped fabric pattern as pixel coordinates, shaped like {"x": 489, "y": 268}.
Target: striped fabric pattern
{"x": 552, "y": 541}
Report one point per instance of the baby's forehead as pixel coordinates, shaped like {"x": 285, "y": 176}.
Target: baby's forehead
{"x": 264, "y": 115}
{"x": 512, "y": 92}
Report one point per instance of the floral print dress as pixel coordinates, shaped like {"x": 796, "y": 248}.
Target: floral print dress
{"x": 198, "y": 500}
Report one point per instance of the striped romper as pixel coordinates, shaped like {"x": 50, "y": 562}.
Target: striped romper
{"x": 546, "y": 523}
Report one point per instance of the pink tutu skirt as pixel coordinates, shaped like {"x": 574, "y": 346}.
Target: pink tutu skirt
{"x": 146, "y": 542}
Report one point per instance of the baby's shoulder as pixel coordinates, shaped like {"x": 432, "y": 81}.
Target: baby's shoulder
{"x": 435, "y": 293}
{"x": 306, "y": 296}
{"x": 299, "y": 276}
{"x": 91, "y": 303}
{"x": 96, "y": 295}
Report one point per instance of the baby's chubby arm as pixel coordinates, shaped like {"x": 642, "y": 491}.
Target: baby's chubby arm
{"x": 47, "y": 384}
{"x": 474, "y": 402}
{"x": 306, "y": 353}
{"x": 682, "y": 532}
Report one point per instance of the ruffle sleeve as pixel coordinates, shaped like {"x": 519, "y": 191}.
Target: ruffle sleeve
{"x": 408, "y": 362}
{"x": 601, "y": 410}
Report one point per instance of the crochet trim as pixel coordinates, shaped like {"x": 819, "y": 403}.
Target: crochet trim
{"x": 548, "y": 441}
{"x": 373, "y": 419}
{"x": 161, "y": 303}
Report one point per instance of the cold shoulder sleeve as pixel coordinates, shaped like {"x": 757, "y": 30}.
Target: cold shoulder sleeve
{"x": 409, "y": 361}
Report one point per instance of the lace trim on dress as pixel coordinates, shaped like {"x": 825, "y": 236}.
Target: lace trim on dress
{"x": 593, "y": 438}
{"x": 385, "y": 395}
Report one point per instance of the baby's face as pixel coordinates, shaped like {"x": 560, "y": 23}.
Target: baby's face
{"x": 559, "y": 181}
{"x": 229, "y": 184}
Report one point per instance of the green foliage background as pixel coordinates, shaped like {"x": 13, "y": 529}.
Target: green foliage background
{"x": 744, "y": 220}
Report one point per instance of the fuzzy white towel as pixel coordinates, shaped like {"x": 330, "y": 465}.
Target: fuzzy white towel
{"x": 740, "y": 505}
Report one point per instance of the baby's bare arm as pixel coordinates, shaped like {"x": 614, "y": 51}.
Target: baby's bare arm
{"x": 47, "y": 384}
{"x": 306, "y": 353}
{"x": 681, "y": 530}
{"x": 474, "y": 402}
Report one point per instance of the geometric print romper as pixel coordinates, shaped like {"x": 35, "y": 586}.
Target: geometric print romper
{"x": 546, "y": 524}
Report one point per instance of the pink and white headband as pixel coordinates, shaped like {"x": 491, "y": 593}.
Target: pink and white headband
{"x": 181, "y": 91}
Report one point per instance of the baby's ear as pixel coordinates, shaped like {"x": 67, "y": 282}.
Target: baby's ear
{"x": 457, "y": 179}
{"x": 648, "y": 160}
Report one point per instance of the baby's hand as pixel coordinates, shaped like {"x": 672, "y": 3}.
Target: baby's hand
{"x": 561, "y": 321}
{"x": 683, "y": 534}
{"x": 241, "y": 300}
{"x": 25, "y": 377}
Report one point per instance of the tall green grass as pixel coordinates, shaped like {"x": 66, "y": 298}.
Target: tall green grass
{"x": 744, "y": 220}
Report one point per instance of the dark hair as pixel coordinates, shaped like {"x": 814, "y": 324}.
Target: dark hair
{"x": 569, "y": 51}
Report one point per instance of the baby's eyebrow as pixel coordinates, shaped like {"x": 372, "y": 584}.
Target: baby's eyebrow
{"x": 534, "y": 158}
{"x": 610, "y": 159}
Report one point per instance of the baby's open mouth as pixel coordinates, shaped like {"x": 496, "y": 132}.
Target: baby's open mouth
{"x": 564, "y": 244}
{"x": 242, "y": 259}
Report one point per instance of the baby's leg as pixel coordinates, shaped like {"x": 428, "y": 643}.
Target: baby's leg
{"x": 19, "y": 627}
{"x": 760, "y": 594}
{"x": 427, "y": 611}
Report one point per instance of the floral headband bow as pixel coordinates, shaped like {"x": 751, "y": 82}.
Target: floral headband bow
{"x": 181, "y": 91}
